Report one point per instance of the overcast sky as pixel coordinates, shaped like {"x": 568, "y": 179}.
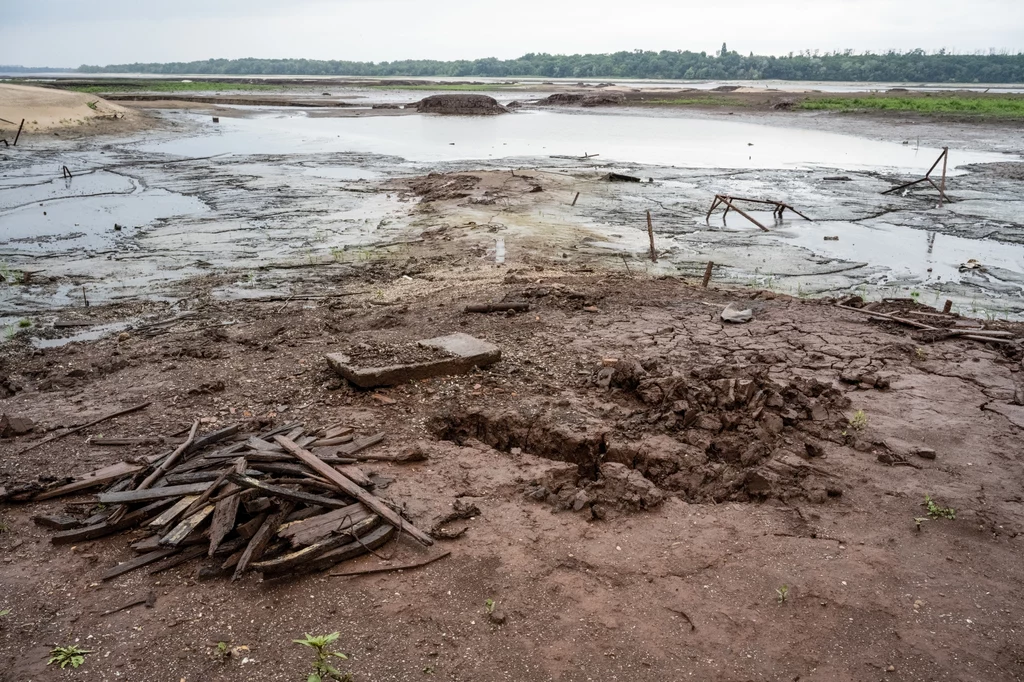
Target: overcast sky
{"x": 74, "y": 32}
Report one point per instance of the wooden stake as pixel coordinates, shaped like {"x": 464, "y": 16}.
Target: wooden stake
{"x": 650, "y": 235}
{"x": 707, "y": 274}
{"x": 948, "y": 307}
{"x": 19, "y": 133}
{"x": 575, "y": 198}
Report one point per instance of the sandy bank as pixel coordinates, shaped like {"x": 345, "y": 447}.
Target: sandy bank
{"x": 49, "y": 110}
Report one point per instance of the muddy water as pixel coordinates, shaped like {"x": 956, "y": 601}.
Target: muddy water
{"x": 648, "y": 140}
{"x": 250, "y": 195}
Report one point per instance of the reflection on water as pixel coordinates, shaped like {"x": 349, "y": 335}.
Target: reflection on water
{"x": 668, "y": 141}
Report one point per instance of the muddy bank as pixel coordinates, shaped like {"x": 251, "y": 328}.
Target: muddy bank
{"x": 709, "y": 466}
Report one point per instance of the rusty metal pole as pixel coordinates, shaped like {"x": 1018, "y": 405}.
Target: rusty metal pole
{"x": 650, "y": 234}
{"x": 707, "y": 274}
{"x": 942, "y": 185}
{"x": 575, "y": 198}
{"x": 19, "y": 133}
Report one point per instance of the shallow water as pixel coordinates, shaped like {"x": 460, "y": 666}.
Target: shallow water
{"x": 664, "y": 141}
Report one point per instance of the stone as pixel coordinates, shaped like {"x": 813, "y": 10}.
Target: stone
{"x": 467, "y": 352}
{"x": 498, "y": 617}
{"x": 924, "y": 453}
{"x": 736, "y": 314}
{"x": 814, "y": 450}
{"x": 15, "y": 426}
{"x": 772, "y": 422}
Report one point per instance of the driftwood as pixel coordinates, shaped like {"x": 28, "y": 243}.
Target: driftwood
{"x": 989, "y": 336}
{"x": 171, "y": 458}
{"x": 111, "y": 415}
{"x": 258, "y": 543}
{"x": 91, "y": 480}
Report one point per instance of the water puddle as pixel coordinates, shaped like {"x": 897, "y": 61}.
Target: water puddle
{"x": 667, "y": 141}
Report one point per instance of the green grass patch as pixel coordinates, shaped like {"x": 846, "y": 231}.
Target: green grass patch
{"x": 1012, "y": 107}
{"x": 452, "y": 87}
{"x": 169, "y": 86}
{"x": 691, "y": 101}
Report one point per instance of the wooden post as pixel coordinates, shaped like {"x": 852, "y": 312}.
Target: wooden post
{"x": 575, "y": 198}
{"x": 707, "y": 274}
{"x": 19, "y": 132}
{"x": 650, "y": 235}
{"x": 84, "y": 299}
{"x": 948, "y": 307}
{"x": 942, "y": 185}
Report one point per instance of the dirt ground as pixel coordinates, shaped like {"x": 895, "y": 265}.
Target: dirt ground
{"x": 714, "y": 468}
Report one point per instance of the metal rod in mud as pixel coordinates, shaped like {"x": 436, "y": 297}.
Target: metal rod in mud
{"x": 650, "y": 235}
{"x": 86, "y": 300}
{"x": 575, "y": 198}
{"x": 19, "y": 133}
{"x": 707, "y": 274}
{"x": 714, "y": 203}
{"x": 942, "y": 186}
{"x": 65, "y": 172}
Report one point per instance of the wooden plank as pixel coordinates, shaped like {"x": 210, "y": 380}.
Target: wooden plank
{"x": 248, "y": 529}
{"x": 262, "y": 445}
{"x": 359, "y": 444}
{"x": 213, "y": 437}
{"x": 371, "y": 540}
{"x": 293, "y": 560}
{"x": 137, "y": 562}
{"x": 186, "y": 554}
{"x": 170, "y": 459}
{"x": 356, "y": 474}
{"x": 338, "y": 431}
{"x": 225, "y": 513}
{"x": 288, "y": 494}
{"x": 132, "y": 496}
{"x": 57, "y": 521}
{"x": 257, "y": 505}
{"x": 263, "y": 536}
{"x": 295, "y": 433}
{"x": 103, "y": 528}
{"x": 150, "y": 544}
{"x": 337, "y": 440}
{"x": 347, "y": 486}
{"x": 308, "y": 531}
{"x": 91, "y": 479}
{"x": 172, "y": 514}
{"x": 185, "y": 528}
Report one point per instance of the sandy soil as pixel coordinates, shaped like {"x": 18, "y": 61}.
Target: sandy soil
{"x": 621, "y": 589}
{"x": 48, "y": 110}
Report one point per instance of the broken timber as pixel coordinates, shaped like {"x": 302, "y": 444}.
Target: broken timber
{"x": 728, "y": 202}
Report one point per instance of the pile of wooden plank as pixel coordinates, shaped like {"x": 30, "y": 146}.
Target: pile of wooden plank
{"x": 249, "y": 502}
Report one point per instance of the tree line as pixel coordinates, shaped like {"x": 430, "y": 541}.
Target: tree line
{"x": 893, "y": 66}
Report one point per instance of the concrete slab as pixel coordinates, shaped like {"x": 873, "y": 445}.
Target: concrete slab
{"x": 466, "y": 352}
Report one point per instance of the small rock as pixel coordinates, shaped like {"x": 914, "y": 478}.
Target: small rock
{"x": 814, "y": 450}
{"x": 591, "y": 309}
{"x": 498, "y": 617}
{"x": 15, "y": 426}
{"x": 737, "y": 315}
{"x": 925, "y": 453}
{"x": 891, "y": 669}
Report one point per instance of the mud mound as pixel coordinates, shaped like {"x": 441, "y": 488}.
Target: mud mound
{"x": 583, "y": 100}
{"x": 439, "y": 187}
{"x": 704, "y": 434}
{"x": 460, "y": 105}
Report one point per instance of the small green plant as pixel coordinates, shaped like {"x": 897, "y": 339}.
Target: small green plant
{"x": 918, "y": 520}
{"x": 937, "y": 512}
{"x": 92, "y": 105}
{"x": 920, "y": 353}
{"x": 859, "y": 420}
{"x": 24, "y": 323}
{"x": 489, "y": 605}
{"x": 4, "y": 613}
{"x": 322, "y": 669}
{"x": 782, "y": 593}
{"x": 915, "y": 295}
{"x": 67, "y": 655}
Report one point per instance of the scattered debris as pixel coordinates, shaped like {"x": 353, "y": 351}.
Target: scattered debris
{"x": 15, "y": 426}
{"x": 264, "y": 502}
{"x": 514, "y": 306}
